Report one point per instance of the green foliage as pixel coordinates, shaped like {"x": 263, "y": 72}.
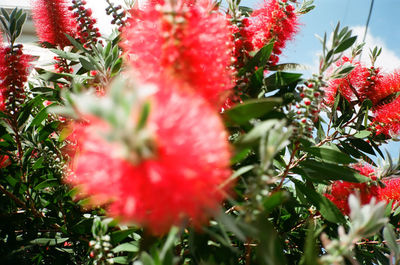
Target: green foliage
{"x": 278, "y": 212}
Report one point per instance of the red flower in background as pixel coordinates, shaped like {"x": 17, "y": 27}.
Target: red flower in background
{"x": 191, "y": 158}
{"x": 13, "y": 75}
{"x": 385, "y": 86}
{"x": 193, "y": 46}
{"x": 341, "y": 190}
{"x": 391, "y": 191}
{"x": 387, "y": 118}
{"x": 352, "y": 86}
{"x": 53, "y": 20}
{"x": 274, "y": 20}
{"x": 4, "y": 161}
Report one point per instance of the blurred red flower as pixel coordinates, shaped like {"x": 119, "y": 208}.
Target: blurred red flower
{"x": 185, "y": 159}
{"x": 192, "y": 46}
{"x": 53, "y": 20}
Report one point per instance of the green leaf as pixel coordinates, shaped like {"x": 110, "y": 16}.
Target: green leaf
{"x": 116, "y": 66}
{"x": 274, "y": 200}
{"x": 121, "y": 260}
{"x": 47, "y": 183}
{"x": 126, "y": 247}
{"x": 120, "y": 235}
{"x": 145, "y": 112}
{"x": 231, "y": 225}
{"x": 169, "y": 243}
{"x": 362, "y": 134}
{"x": 75, "y": 43}
{"x": 390, "y": 238}
{"x": 327, "y": 209}
{"x": 344, "y": 45}
{"x": 330, "y": 155}
{"x": 237, "y": 173}
{"x": 362, "y": 145}
{"x": 48, "y": 241}
{"x": 259, "y": 130}
{"x": 327, "y": 171}
{"x": 40, "y": 117}
{"x": 260, "y": 59}
{"x": 280, "y": 79}
{"x": 67, "y": 55}
{"x": 251, "y": 109}
{"x": 310, "y": 251}
{"x": 146, "y": 259}
{"x": 87, "y": 65}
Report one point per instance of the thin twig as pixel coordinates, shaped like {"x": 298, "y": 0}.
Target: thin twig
{"x": 288, "y": 166}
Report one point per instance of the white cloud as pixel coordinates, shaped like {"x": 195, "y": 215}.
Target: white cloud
{"x": 99, "y": 12}
{"x": 388, "y": 59}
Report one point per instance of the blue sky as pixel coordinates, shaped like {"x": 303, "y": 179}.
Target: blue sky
{"x": 383, "y": 29}
{"x": 383, "y": 32}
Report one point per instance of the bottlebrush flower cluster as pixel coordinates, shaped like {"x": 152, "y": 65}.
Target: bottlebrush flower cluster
{"x": 4, "y": 161}
{"x": 363, "y": 83}
{"x": 13, "y": 75}
{"x": 177, "y": 178}
{"x": 53, "y": 20}
{"x": 341, "y": 190}
{"x": 370, "y": 83}
{"x": 387, "y": 118}
{"x": 275, "y": 20}
{"x": 86, "y": 30}
{"x": 185, "y": 42}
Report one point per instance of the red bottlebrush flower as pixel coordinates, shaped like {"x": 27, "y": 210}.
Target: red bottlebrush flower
{"x": 341, "y": 190}
{"x": 2, "y": 101}
{"x": 53, "y": 20}
{"x": 385, "y": 85}
{"x": 387, "y": 118}
{"x": 4, "y": 161}
{"x": 87, "y": 32}
{"x": 354, "y": 82}
{"x": 180, "y": 180}
{"x": 273, "y": 21}
{"x": 391, "y": 191}
{"x": 191, "y": 46}
{"x": 13, "y": 75}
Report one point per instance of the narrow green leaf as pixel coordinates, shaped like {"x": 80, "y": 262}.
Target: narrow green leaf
{"x": 121, "y": 260}
{"x": 86, "y": 64}
{"x": 260, "y": 58}
{"x": 47, "y": 183}
{"x": 362, "y": 134}
{"x": 120, "y": 235}
{"x": 127, "y": 247}
{"x": 274, "y": 201}
{"x": 330, "y": 155}
{"x": 251, "y": 109}
{"x": 328, "y": 171}
{"x": 347, "y": 43}
{"x": 327, "y": 209}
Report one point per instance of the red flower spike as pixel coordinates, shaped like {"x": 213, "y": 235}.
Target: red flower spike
{"x": 391, "y": 191}
{"x": 189, "y": 43}
{"x": 4, "y": 161}
{"x": 341, "y": 190}
{"x": 273, "y": 21}
{"x": 87, "y": 32}
{"x": 13, "y": 74}
{"x": 385, "y": 85}
{"x": 354, "y": 81}
{"x": 158, "y": 192}
{"x": 53, "y": 20}
{"x": 387, "y": 118}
